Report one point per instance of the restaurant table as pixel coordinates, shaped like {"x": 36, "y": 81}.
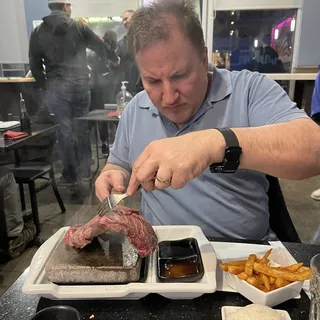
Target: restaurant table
{"x": 96, "y": 116}
{"x": 19, "y": 306}
{"x": 38, "y": 131}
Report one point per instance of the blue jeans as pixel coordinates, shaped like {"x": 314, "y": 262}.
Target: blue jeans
{"x": 73, "y": 135}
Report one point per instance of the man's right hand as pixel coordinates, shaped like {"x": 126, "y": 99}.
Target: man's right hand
{"x": 108, "y": 180}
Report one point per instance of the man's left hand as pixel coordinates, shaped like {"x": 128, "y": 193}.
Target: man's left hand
{"x": 172, "y": 162}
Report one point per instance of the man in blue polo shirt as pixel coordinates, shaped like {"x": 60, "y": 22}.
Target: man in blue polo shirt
{"x": 171, "y": 133}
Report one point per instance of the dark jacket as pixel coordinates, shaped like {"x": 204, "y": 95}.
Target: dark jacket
{"x": 128, "y": 67}
{"x": 59, "y": 44}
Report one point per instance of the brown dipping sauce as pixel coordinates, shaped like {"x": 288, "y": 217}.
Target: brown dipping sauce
{"x": 180, "y": 269}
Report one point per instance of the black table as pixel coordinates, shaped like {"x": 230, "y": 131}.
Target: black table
{"x": 18, "y": 306}
{"x": 96, "y": 116}
{"x": 38, "y": 131}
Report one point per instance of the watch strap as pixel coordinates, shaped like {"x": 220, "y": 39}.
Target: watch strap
{"x": 229, "y": 136}
{"x": 232, "y": 154}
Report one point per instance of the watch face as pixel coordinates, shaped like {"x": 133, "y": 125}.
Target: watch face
{"x": 233, "y": 153}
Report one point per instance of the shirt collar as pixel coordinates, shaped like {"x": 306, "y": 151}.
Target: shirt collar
{"x": 220, "y": 88}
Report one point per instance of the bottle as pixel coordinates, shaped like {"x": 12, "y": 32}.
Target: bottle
{"x": 25, "y": 120}
{"x": 123, "y": 98}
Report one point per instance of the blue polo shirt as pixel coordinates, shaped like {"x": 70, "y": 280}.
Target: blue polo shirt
{"x": 315, "y": 106}
{"x": 223, "y": 205}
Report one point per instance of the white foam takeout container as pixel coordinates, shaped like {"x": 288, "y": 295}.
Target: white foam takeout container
{"x": 36, "y": 282}
{"x": 227, "y": 311}
{"x": 257, "y": 296}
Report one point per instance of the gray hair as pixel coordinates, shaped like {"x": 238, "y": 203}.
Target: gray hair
{"x": 152, "y": 23}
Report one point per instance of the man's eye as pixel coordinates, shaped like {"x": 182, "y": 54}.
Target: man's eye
{"x": 154, "y": 81}
{"x": 179, "y": 76}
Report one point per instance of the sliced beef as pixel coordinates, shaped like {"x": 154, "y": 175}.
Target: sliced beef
{"x": 120, "y": 219}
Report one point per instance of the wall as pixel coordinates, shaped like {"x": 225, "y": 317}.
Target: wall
{"x": 309, "y": 48}
{"x": 13, "y": 33}
{"x": 35, "y": 10}
{"x": 98, "y": 8}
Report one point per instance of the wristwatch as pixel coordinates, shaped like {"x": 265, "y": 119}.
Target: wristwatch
{"x": 232, "y": 153}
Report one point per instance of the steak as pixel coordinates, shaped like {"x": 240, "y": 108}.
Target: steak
{"x": 120, "y": 219}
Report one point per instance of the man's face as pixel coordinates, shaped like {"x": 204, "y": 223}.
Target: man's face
{"x": 175, "y": 77}
{"x": 67, "y": 9}
{"x": 126, "y": 18}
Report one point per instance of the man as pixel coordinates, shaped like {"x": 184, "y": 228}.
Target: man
{"x": 315, "y": 114}
{"x": 167, "y": 136}
{"x": 128, "y": 68}
{"x": 59, "y": 44}
{"x": 101, "y": 85}
{"x": 20, "y": 233}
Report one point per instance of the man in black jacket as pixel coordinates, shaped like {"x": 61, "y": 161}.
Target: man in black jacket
{"x": 59, "y": 44}
{"x": 128, "y": 66}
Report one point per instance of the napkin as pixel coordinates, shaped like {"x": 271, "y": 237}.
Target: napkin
{"x": 14, "y": 135}
{"x": 112, "y": 114}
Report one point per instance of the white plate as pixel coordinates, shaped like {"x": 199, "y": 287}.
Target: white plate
{"x": 226, "y": 311}
{"x": 8, "y": 124}
{"x": 36, "y": 282}
{"x": 228, "y": 251}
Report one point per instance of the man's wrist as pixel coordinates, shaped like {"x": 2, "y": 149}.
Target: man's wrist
{"x": 217, "y": 146}
{"x": 110, "y": 167}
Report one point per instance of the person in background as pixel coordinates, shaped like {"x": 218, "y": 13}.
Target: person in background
{"x": 100, "y": 90}
{"x": 128, "y": 68}
{"x": 267, "y": 60}
{"x": 59, "y": 44}
{"x": 242, "y": 55}
{"x": 20, "y": 233}
{"x": 200, "y": 144}
{"x": 315, "y": 115}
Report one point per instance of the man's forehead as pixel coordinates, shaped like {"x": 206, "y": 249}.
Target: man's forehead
{"x": 127, "y": 14}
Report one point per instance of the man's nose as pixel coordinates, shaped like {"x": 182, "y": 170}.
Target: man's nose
{"x": 170, "y": 94}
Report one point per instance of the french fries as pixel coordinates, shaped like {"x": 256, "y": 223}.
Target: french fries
{"x": 258, "y": 273}
{"x": 248, "y": 268}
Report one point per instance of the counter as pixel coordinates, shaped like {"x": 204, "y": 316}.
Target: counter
{"x": 10, "y": 89}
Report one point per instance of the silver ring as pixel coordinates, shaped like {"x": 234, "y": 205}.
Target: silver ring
{"x": 164, "y": 181}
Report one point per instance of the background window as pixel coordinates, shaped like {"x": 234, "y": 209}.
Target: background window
{"x": 257, "y": 40}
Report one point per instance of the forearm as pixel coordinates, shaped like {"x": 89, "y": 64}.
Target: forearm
{"x": 288, "y": 150}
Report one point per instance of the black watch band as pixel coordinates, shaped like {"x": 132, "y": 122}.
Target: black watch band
{"x": 232, "y": 154}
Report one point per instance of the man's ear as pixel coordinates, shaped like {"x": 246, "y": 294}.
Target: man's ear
{"x": 205, "y": 57}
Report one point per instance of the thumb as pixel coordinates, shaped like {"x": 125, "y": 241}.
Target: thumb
{"x": 118, "y": 177}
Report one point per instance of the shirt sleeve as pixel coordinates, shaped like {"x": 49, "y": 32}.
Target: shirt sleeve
{"x": 315, "y": 106}
{"x": 35, "y": 60}
{"x": 269, "y": 103}
{"x": 119, "y": 153}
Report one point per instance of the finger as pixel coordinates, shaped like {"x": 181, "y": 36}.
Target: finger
{"x": 133, "y": 184}
{"x": 148, "y": 185}
{"x": 145, "y": 173}
{"x": 117, "y": 178}
{"x": 102, "y": 187}
{"x": 163, "y": 178}
{"x": 178, "y": 182}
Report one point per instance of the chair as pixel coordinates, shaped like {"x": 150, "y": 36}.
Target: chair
{"x": 27, "y": 173}
{"x": 4, "y": 256}
{"x": 280, "y": 220}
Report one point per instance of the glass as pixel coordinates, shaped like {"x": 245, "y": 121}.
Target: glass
{"x": 257, "y": 40}
{"x": 315, "y": 288}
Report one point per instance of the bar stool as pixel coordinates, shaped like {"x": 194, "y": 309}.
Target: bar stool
{"x": 25, "y": 174}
